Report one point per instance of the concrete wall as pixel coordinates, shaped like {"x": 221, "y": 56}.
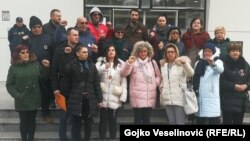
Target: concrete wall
{"x": 70, "y": 10}
{"x": 234, "y": 16}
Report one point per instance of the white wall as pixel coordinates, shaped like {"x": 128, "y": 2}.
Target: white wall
{"x": 234, "y": 16}
{"x": 70, "y": 10}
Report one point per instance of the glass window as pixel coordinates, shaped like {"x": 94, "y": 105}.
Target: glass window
{"x": 112, "y": 3}
{"x": 121, "y": 16}
{"x": 185, "y": 18}
{"x": 179, "y": 3}
{"x": 151, "y": 17}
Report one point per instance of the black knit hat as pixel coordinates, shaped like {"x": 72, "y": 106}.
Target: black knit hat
{"x": 35, "y": 21}
{"x": 210, "y": 46}
{"x": 119, "y": 28}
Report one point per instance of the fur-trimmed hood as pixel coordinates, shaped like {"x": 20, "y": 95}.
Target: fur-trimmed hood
{"x": 216, "y": 54}
{"x": 32, "y": 58}
{"x": 103, "y": 59}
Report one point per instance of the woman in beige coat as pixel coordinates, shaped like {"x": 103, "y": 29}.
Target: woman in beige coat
{"x": 174, "y": 72}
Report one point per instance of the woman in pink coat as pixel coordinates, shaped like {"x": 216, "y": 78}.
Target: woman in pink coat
{"x": 144, "y": 79}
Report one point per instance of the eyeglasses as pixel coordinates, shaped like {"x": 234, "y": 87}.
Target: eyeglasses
{"x": 84, "y": 23}
{"x": 170, "y": 52}
{"x": 96, "y": 14}
{"x": 174, "y": 33}
{"x": 37, "y": 26}
{"x": 119, "y": 32}
{"x": 24, "y": 52}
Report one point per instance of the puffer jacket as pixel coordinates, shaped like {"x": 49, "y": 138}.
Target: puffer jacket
{"x": 15, "y": 35}
{"x": 135, "y": 32}
{"x": 81, "y": 81}
{"x": 142, "y": 93}
{"x": 113, "y": 85}
{"x": 22, "y": 84}
{"x": 209, "y": 93}
{"x": 236, "y": 72}
{"x": 100, "y": 29}
{"x": 173, "y": 81}
{"x": 222, "y": 46}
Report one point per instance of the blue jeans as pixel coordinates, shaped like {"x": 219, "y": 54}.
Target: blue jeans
{"x": 63, "y": 125}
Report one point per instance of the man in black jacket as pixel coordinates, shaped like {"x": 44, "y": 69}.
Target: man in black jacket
{"x": 40, "y": 44}
{"x": 16, "y": 33}
{"x": 63, "y": 55}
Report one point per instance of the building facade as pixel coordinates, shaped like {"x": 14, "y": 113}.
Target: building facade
{"x": 231, "y": 14}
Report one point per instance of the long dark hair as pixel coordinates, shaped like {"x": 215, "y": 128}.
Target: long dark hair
{"x": 116, "y": 61}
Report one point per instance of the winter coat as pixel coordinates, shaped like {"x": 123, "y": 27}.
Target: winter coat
{"x": 161, "y": 33}
{"x": 180, "y": 45}
{"x": 40, "y": 45}
{"x": 209, "y": 95}
{"x": 83, "y": 81}
{"x": 113, "y": 85}
{"x": 100, "y": 29}
{"x": 122, "y": 46}
{"x": 135, "y": 33}
{"x": 60, "y": 61}
{"x": 23, "y": 84}
{"x": 15, "y": 35}
{"x": 174, "y": 80}
{"x": 142, "y": 90}
{"x": 222, "y": 46}
{"x": 50, "y": 28}
{"x": 236, "y": 72}
{"x": 197, "y": 40}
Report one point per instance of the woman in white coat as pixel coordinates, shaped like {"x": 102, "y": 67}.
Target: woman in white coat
{"x": 206, "y": 82}
{"x": 174, "y": 72}
{"x": 114, "y": 90}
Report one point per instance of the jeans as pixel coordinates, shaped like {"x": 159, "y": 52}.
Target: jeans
{"x": 63, "y": 125}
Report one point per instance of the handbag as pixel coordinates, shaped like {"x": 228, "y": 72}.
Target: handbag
{"x": 247, "y": 103}
{"x": 190, "y": 103}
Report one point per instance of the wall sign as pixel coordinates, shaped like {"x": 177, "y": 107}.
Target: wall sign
{"x": 5, "y": 15}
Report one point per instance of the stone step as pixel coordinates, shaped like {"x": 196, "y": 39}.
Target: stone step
{"x": 12, "y": 124}
{"x": 43, "y": 136}
{"x": 126, "y": 111}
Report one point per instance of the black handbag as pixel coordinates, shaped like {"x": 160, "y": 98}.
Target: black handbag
{"x": 247, "y": 103}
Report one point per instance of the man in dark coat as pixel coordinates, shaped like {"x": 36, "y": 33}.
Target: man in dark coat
{"x": 40, "y": 44}
{"x": 16, "y": 33}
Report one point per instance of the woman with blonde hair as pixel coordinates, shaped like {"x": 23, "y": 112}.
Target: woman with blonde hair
{"x": 144, "y": 79}
{"x": 220, "y": 40}
{"x": 175, "y": 71}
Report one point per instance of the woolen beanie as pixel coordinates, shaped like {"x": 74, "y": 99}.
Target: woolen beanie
{"x": 119, "y": 28}
{"x": 210, "y": 46}
{"x": 35, "y": 21}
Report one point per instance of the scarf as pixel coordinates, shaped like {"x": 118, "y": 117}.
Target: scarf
{"x": 144, "y": 69}
{"x": 199, "y": 72}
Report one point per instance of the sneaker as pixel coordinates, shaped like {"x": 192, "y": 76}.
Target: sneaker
{"x": 48, "y": 119}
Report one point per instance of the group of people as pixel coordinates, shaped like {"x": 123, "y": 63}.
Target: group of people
{"x": 121, "y": 63}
